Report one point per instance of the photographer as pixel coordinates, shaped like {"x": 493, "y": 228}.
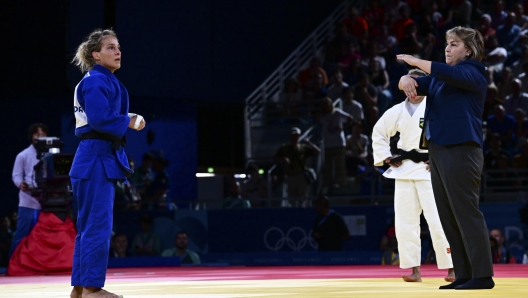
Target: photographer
{"x": 28, "y": 206}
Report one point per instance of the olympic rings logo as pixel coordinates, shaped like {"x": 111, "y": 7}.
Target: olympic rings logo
{"x": 296, "y": 239}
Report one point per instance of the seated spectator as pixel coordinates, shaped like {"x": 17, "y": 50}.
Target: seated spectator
{"x": 369, "y": 177}
{"x": 525, "y": 258}
{"x": 384, "y": 242}
{"x": 492, "y": 99}
{"x": 503, "y": 124}
{"x": 356, "y": 149}
{"x": 426, "y": 26}
{"x": 146, "y": 243}
{"x": 351, "y": 75}
{"x": 311, "y": 72}
{"x": 334, "y": 122}
{"x": 518, "y": 66}
{"x": 523, "y": 77}
{"x": 393, "y": 9}
{"x": 143, "y": 176}
{"x": 521, "y": 19}
{"x": 485, "y": 27}
{"x": 446, "y": 10}
{"x": 291, "y": 159}
{"x": 494, "y": 56}
{"x": 349, "y": 53}
{"x": 521, "y": 130}
{"x": 505, "y": 82}
{"x": 386, "y": 42}
{"x": 502, "y": 179}
{"x": 290, "y": 98}
{"x": 462, "y": 13}
{"x": 156, "y": 194}
{"x": 336, "y": 89}
{"x": 409, "y": 43}
{"x": 119, "y": 246}
{"x": 436, "y": 15}
{"x": 520, "y": 160}
{"x": 234, "y": 200}
{"x": 508, "y": 36}
{"x": 491, "y": 156}
{"x": 332, "y": 50}
{"x": 391, "y": 256}
{"x": 329, "y": 229}
{"x": 477, "y": 11}
{"x": 315, "y": 91}
{"x": 430, "y": 50}
{"x": 380, "y": 80}
{"x": 350, "y": 106}
{"x": 517, "y": 99}
{"x": 127, "y": 196}
{"x": 399, "y": 28}
{"x": 357, "y": 26}
{"x": 6, "y": 236}
{"x": 374, "y": 14}
{"x": 373, "y": 54}
{"x": 501, "y": 255}
{"x": 255, "y": 187}
{"x": 367, "y": 95}
{"x": 180, "y": 250}
{"x": 498, "y": 15}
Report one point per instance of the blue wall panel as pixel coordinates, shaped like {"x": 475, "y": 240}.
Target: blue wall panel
{"x": 285, "y": 229}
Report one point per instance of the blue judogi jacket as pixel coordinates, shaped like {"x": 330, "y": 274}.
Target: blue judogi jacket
{"x": 100, "y": 104}
{"x": 455, "y": 102}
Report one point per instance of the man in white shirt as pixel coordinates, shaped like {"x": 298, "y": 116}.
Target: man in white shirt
{"x": 28, "y": 206}
{"x": 413, "y": 191}
{"x": 351, "y": 106}
{"x": 336, "y": 89}
{"x": 334, "y": 122}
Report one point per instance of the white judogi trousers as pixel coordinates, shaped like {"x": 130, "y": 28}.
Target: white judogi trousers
{"x": 410, "y": 198}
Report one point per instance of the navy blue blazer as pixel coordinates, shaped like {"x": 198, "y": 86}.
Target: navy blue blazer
{"x": 455, "y": 102}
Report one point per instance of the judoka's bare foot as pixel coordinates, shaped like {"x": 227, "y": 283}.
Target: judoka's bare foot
{"x": 76, "y": 292}
{"x": 450, "y": 275}
{"x": 98, "y": 293}
{"x": 416, "y": 276}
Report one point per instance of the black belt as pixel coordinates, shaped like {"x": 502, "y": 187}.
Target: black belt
{"x": 412, "y": 155}
{"x": 116, "y": 141}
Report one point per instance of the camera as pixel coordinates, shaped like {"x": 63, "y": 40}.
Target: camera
{"x": 51, "y": 176}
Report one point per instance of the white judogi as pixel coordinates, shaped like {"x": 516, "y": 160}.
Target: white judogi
{"x": 413, "y": 191}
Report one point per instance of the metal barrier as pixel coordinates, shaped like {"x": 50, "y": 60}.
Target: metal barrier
{"x": 513, "y": 188}
{"x": 505, "y": 185}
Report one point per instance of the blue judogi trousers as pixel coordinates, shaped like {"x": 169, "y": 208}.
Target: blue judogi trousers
{"x": 95, "y": 199}
{"x": 27, "y": 219}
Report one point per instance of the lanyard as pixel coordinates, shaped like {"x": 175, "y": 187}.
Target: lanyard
{"x": 324, "y": 218}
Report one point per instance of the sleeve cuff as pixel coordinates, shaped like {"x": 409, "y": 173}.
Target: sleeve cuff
{"x": 438, "y": 69}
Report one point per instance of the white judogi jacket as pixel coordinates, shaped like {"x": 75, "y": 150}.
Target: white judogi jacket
{"x": 393, "y": 120}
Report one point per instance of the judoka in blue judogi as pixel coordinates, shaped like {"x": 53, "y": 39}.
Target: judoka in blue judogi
{"x": 101, "y": 112}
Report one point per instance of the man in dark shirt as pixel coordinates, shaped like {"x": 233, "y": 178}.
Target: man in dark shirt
{"x": 329, "y": 229}
{"x": 156, "y": 193}
{"x": 292, "y": 159}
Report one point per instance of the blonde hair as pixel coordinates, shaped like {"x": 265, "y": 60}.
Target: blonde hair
{"x": 417, "y": 72}
{"x": 472, "y": 39}
{"x": 93, "y": 43}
